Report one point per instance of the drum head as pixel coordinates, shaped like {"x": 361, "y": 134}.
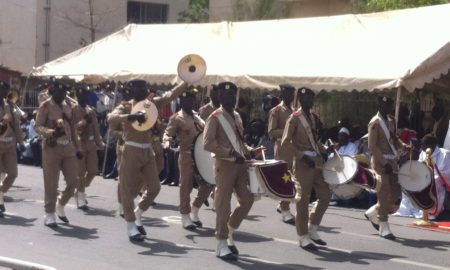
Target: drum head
{"x": 339, "y": 171}
{"x": 414, "y": 176}
{"x": 203, "y": 161}
{"x": 347, "y": 191}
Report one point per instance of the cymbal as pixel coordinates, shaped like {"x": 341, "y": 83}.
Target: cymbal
{"x": 151, "y": 112}
{"x": 191, "y": 68}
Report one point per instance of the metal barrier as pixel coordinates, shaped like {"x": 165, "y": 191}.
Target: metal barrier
{"x": 22, "y": 265}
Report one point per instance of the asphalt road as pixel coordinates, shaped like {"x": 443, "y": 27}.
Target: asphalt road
{"x": 97, "y": 239}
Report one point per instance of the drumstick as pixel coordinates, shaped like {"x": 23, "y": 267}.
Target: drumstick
{"x": 334, "y": 149}
{"x": 263, "y": 155}
{"x": 410, "y": 155}
{"x": 402, "y": 174}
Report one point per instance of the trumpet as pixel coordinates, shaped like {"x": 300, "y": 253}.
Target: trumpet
{"x": 13, "y": 98}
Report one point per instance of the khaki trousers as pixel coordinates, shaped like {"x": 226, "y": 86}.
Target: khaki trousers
{"x": 137, "y": 169}
{"x": 56, "y": 159}
{"x": 87, "y": 166}
{"x": 8, "y": 164}
{"x": 159, "y": 155}
{"x": 185, "y": 165}
{"x": 288, "y": 157}
{"x": 230, "y": 177}
{"x": 309, "y": 178}
{"x": 388, "y": 190}
{"x": 119, "y": 151}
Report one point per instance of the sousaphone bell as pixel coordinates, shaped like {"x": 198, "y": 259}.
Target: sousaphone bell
{"x": 191, "y": 68}
{"x": 151, "y": 115}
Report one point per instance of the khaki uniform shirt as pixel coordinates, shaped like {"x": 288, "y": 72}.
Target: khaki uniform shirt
{"x": 215, "y": 138}
{"x": 119, "y": 116}
{"x": 378, "y": 143}
{"x": 278, "y": 117}
{"x": 10, "y": 118}
{"x": 46, "y": 121}
{"x": 295, "y": 136}
{"x": 87, "y": 131}
{"x": 205, "y": 111}
{"x": 186, "y": 127}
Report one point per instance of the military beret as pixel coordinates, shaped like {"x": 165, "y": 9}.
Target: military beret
{"x": 4, "y": 85}
{"x": 137, "y": 84}
{"x": 227, "y": 86}
{"x": 190, "y": 93}
{"x": 384, "y": 99}
{"x": 57, "y": 85}
{"x": 287, "y": 87}
{"x": 303, "y": 91}
{"x": 214, "y": 88}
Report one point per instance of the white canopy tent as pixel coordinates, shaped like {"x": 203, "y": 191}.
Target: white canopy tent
{"x": 404, "y": 48}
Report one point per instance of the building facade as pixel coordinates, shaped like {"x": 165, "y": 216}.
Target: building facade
{"x": 33, "y": 32}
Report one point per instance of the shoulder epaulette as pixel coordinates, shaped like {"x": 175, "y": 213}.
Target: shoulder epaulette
{"x": 45, "y": 103}
{"x": 216, "y": 113}
{"x": 124, "y": 102}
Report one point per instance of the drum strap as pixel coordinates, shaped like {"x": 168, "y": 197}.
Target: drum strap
{"x": 387, "y": 133}
{"x": 231, "y": 133}
{"x": 307, "y": 127}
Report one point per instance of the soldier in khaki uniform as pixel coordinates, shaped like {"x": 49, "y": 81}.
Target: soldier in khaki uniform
{"x": 278, "y": 117}
{"x": 384, "y": 145}
{"x": 301, "y": 136}
{"x": 186, "y": 125}
{"x": 85, "y": 119}
{"x": 206, "y": 110}
{"x": 10, "y": 135}
{"x": 138, "y": 166}
{"x": 60, "y": 150}
{"x": 230, "y": 169}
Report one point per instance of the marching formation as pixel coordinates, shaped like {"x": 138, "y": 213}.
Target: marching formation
{"x": 304, "y": 167}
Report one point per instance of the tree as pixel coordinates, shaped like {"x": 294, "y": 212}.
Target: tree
{"x": 197, "y": 12}
{"x": 260, "y": 9}
{"x": 364, "y": 6}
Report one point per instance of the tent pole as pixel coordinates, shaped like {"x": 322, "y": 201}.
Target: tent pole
{"x": 397, "y": 103}
{"x": 108, "y": 136}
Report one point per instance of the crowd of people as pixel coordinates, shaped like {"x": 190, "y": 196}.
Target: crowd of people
{"x": 75, "y": 127}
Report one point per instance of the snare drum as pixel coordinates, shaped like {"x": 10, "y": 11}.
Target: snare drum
{"x": 346, "y": 191}
{"x": 271, "y": 178}
{"x": 203, "y": 161}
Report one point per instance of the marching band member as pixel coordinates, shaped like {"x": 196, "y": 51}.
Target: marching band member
{"x": 278, "y": 117}
{"x": 301, "y": 137}
{"x": 138, "y": 165}
{"x": 61, "y": 148}
{"x": 186, "y": 125}
{"x": 384, "y": 145}
{"x": 205, "y": 111}
{"x": 10, "y": 135}
{"x": 85, "y": 119}
{"x": 224, "y": 138}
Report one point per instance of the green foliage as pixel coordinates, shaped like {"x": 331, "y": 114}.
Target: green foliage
{"x": 383, "y": 5}
{"x": 260, "y": 9}
{"x": 197, "y": 12}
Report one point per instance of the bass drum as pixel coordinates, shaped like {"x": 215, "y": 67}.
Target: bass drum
{"x": 346, "y": 191}
{"x": 203, "y": 161}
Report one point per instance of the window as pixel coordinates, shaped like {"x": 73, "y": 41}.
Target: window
{"x": 140, "y": 12}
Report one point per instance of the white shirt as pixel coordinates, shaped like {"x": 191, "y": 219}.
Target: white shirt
{"x": 349, "y": 149}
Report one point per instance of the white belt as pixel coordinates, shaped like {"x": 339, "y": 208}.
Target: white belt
{"x": 6, "y": 139}
{"x": 390, "y": 157}
{"x": 91, "y": 138}
{"x": 138, "y": 145}
{"x": 63, "y": 142}
{"x": 310, "y": 153}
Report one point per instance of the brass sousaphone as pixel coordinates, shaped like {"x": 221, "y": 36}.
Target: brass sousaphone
{"x": 191, "y": 68}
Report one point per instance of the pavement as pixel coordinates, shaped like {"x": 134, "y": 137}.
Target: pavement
{"x": 97, "y": 239}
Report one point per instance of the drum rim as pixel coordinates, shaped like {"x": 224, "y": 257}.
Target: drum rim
{"x": 196, "y": 170}
{"x": 350, "y": 178}
{"x": 404, "y": 183}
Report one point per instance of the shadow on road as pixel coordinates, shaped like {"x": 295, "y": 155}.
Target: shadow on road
{"x": 363, "y": 258}
{"x": 154, "y": 222}
{"x": 254, "y": 217}
{"x": 163, "y": 206}
{"x": 100, "y": 212}
{"x": 422, "y": 243}
{"x": 238, "y": 236}
{"x": 158, "y": 247}
{"x": 68, "y": 230}
{"x": 248, "y": 263}
{"x": 17, "y": 220}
